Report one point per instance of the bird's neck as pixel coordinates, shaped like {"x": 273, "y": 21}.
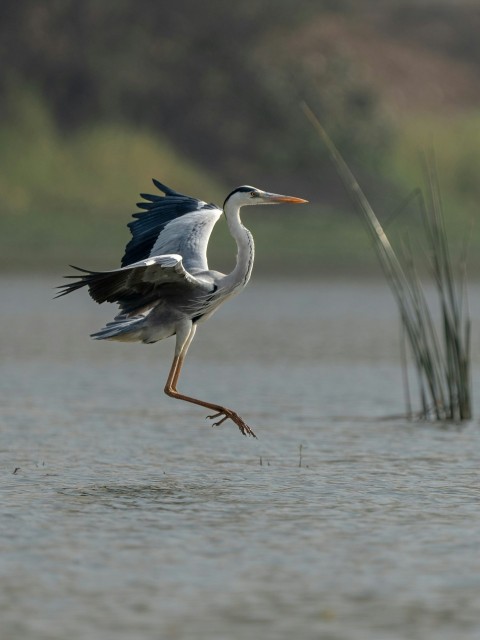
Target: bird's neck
{"x": 239, "y": 277}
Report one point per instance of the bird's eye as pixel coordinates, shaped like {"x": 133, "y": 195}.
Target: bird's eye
{"x": 254, "y": 194}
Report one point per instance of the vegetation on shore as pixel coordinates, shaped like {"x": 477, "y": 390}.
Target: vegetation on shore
{"x": 68, "y": 197}
{"x": 440, "y": 351}
{"x": 101, "y": 97}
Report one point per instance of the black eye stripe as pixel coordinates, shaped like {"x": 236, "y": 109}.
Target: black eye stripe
{"x": 245, "y": 189}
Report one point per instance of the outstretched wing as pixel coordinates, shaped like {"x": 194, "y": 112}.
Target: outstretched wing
{"x": 138, "y": 284}
{"x": 171, "y": 224}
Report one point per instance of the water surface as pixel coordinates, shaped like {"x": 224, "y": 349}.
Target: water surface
{"x": 124, "y": 515}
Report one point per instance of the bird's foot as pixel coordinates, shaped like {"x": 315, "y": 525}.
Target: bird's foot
{"x": 229, "y": 414}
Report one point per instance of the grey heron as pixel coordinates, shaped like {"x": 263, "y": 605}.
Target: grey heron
{"x": 164, "y": 286}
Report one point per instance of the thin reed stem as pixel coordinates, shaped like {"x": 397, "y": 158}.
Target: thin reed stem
{"x": 441, "y": 355}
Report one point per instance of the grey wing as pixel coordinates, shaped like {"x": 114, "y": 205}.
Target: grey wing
{"x": 188, "y": 236}
{"x": 172, "y": 224}
{"x": 141, "y": 283}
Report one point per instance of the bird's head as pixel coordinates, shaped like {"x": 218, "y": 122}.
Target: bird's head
{"x": 246, "y": 195}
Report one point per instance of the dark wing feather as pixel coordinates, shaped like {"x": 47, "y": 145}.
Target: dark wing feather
{"x": 138, "y": 284}
{"x": 160, "y": 211}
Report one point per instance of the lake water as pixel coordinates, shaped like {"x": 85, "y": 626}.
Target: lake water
{"x": 124, "y": 515}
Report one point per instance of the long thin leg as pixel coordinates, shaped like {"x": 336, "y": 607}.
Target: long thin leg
{"x": 185, "y": 336}
{"x": 181, "y": 349}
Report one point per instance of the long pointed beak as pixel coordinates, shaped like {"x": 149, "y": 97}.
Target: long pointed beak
{"x": 275, "y": 197}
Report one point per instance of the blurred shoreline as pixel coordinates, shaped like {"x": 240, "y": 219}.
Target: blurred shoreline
{"x": 82, "y": 135}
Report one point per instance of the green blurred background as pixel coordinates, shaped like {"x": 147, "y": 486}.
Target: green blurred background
{"x": 100, "y": 96}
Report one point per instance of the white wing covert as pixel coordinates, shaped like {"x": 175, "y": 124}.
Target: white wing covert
{"x": 172, "y": 224}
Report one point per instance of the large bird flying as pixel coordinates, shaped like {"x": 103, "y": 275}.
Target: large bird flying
{"x": 164, "y": 286}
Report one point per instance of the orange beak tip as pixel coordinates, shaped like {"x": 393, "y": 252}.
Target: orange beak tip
{"x": 292, "y": 200}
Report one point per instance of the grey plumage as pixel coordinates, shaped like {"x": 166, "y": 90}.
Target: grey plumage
{"x": 164, "y": 286}
{"x": 160, "y": 212}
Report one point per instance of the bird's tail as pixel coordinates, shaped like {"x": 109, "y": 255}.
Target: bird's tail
{"x": 123, "y": 328}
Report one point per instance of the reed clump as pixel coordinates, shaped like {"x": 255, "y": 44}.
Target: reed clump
{"x": 440, "y": 351}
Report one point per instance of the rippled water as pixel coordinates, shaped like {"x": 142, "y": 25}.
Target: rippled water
{"x": 124, "y": 515}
